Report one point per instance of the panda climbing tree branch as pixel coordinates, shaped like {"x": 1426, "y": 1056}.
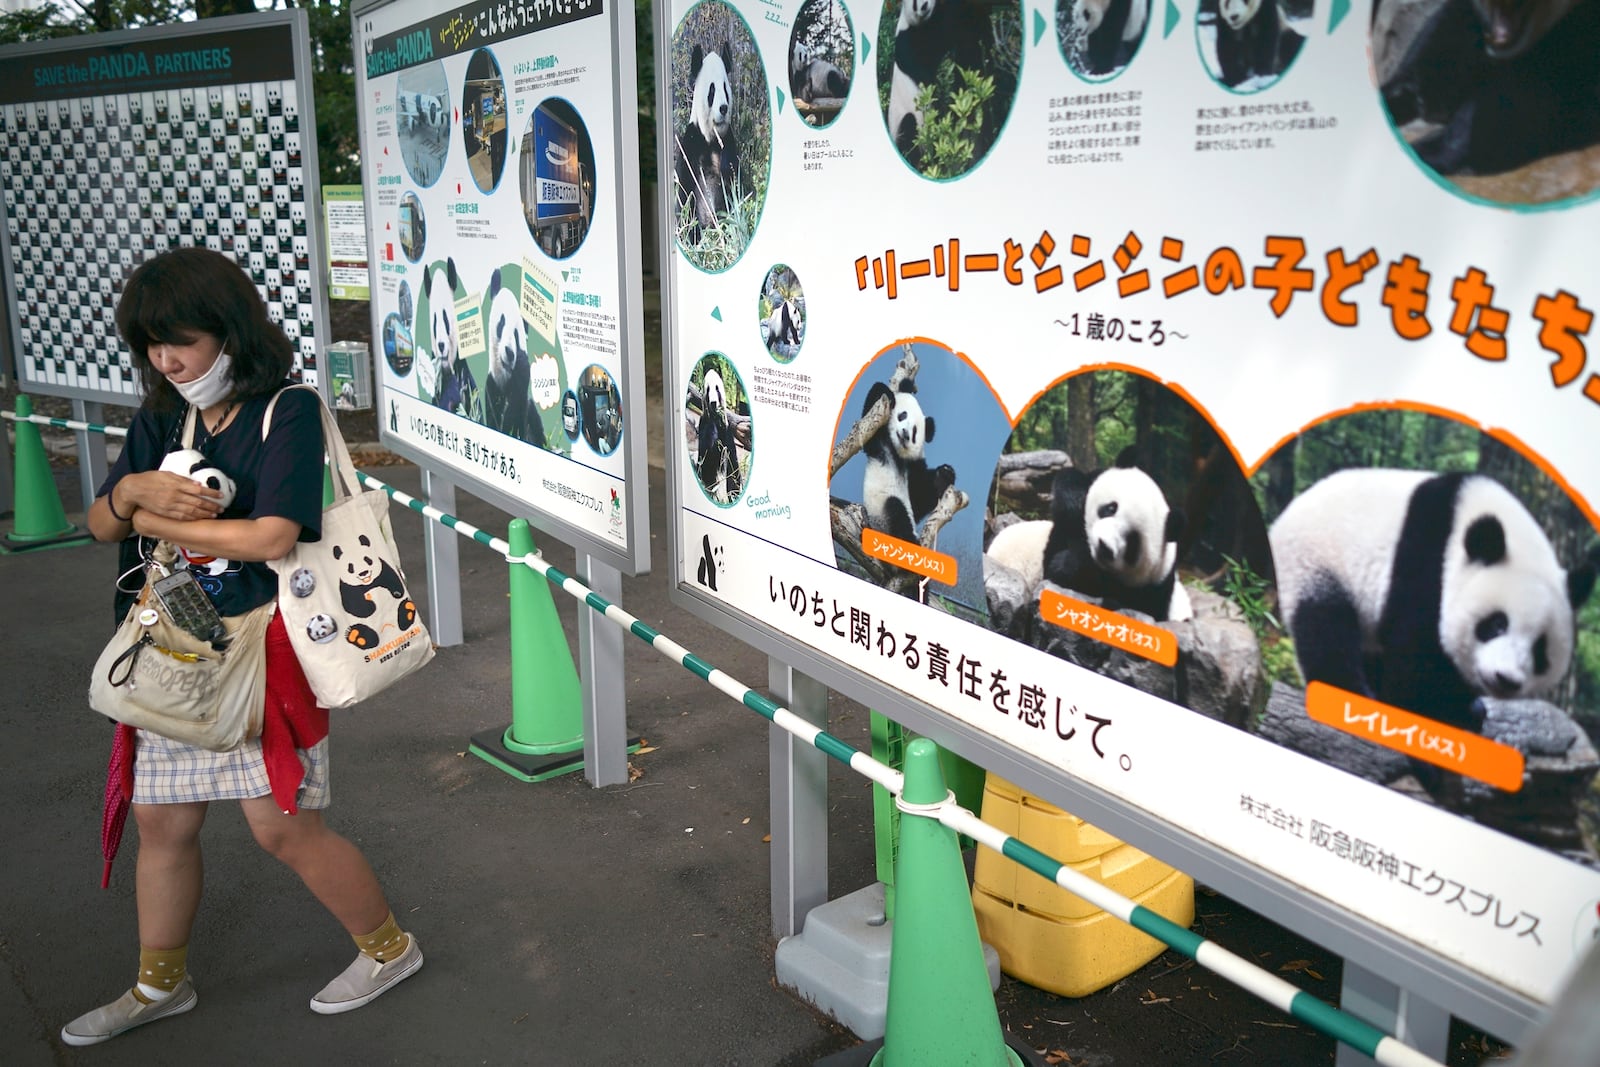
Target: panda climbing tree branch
{"x": 872, "y": 421}
{"x": 900, "y": 490}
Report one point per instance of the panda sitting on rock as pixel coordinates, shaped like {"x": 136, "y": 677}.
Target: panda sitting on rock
{"x": 1425, "y": 591}
{"x": 1111, "y": 535}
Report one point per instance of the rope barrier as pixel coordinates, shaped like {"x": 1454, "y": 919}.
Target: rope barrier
{"x": 1281, "y": 994}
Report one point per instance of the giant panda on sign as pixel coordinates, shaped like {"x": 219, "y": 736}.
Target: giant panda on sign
{"x": 898, "y": 488}
{"x": 705, "y": 157}
{"x": 1425, "y": 591}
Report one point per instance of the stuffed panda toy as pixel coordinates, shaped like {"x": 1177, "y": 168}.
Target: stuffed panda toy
{"x": 898, "y": 488}
{"x": 1425, "y": 591}
{"x": 716, "y": 445}
{"x": 705, "y": 158}
{"x": 813, "y": 78}
{"x": 1114, "y": 537}
{"x": 1253, "y": 41}
{"x": 196, "y": 466}
{"x": 507, "y": 405}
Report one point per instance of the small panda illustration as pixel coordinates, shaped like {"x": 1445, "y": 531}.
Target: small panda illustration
{"x": 926, "y": 33}
{"x": 1253, "y": 41}
{"x": 716, "y": 445}
{"x": 442, "y": 371}
{"x": 1105, "y": 34}
{"x": 507, "y": 406}
{"x": 321, "y": 628}
{"x": 1113, "y": 536}
{"x": 813, "y": 78}
{"x": 1425, "y": 591}
{"x": 196, "y": 466}
{"x": 365, "y": 575}
{"x": 898, "y": 488}
{"x": 706, "y": 160}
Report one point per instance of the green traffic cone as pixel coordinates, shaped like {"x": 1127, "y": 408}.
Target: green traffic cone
{"x": 941, "y": 1009}
{"x": 545, "y": 737}
{"x": 38, "y": 520}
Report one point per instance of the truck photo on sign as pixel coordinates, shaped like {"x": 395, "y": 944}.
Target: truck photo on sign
{"x": 1191, "y": 410}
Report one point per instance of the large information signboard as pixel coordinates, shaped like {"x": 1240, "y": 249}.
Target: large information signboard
{"x": 119, "y": 146}
{"x": 1094, "y": 382}
{"x": 501, "y": 186}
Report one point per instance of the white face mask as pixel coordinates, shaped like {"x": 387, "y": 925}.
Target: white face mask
{"x": 212, "y": 387}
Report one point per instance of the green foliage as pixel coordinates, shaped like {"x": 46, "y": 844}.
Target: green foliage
{"x": 948, "y": 142}
{"x": 333, "y": 81}
{"x": 1586, "y": 657}
{"x": 1251, "y": 593}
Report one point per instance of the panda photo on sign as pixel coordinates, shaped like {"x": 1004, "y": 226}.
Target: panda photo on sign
{"x": 1111, "y": 535}
{"x": 507, "y": 404}
{"x": 717, "y": 446}
{"x": 899, "y": 489}
{"x": 1100, "y": 37}
{"x": 1425, "y": 591}
{"x": 706, "y": 159}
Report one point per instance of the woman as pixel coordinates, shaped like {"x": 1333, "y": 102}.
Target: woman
{"x": 200, "y": 338}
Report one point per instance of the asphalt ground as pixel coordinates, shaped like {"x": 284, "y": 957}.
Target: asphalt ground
{"x": 561, "y": 924}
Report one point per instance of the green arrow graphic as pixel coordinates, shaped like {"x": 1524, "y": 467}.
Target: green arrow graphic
{"x": 716, "y": 313}
{"x": 1172, "y": 20}
{"x": 1038, "y": 27}
{"x": 1336, "y": 13}
{"x": 866, "y": 46}
{"x": 780, "y": 98}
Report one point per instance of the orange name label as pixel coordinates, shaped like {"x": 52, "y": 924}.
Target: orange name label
{"x": 909, "y": 555}
{"x": 1110, "y": 627}
{"x": 1416, "y": 735}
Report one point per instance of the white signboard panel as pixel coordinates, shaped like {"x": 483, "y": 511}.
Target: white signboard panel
{"x": 1101, "y": 377}
{"x": 500, "y": 189}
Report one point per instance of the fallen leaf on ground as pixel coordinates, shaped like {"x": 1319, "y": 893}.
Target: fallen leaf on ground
{"x": 1300, "y": 965}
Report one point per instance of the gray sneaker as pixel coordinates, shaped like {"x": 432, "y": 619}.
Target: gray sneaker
{"x": 366, "y": 980}
{"x": 126, "y": 1012}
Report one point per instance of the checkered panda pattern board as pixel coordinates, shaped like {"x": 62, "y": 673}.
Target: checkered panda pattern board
{"x": 95, "y": 185}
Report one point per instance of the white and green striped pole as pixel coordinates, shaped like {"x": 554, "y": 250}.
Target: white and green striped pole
{"x": 1322, "y": 1017}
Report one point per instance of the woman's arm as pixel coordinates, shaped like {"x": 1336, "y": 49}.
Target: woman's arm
{"x": 161, "y": 493}
{"x": 267, "y": 538}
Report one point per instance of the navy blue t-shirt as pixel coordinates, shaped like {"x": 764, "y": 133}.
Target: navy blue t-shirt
{"x": 280, "y": 476}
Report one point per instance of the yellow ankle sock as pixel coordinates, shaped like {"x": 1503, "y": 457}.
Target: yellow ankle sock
{"x": 384, "y": 943}
{"x": 161, "y": 970}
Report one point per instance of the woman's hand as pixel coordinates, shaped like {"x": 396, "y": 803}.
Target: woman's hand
{"x": 169, "y": 495}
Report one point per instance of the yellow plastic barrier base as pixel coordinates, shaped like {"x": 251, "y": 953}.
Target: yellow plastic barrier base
{"x": 1053, "y": 939}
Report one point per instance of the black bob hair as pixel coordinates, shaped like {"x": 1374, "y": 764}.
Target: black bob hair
{"x": 178, "y": 295}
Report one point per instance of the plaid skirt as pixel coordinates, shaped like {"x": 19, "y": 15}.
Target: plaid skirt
{"x": 170, "y": 772}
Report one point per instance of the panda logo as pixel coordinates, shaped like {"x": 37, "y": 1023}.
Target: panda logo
{"x": 898, "y": 489}
{"x": 196, "y": 466}
{"x": 302, "y": 582}
{"x": 508, "y": 407}
{"x": 1425, "y": 591}
{"x": 365, "y": 577}
{"x": 321, "y": 628}
{"x": 1111, "y": 535}
{"x": 706, "y": 157}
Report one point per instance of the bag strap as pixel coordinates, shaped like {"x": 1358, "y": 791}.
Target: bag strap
{"x": 188, "y": 426}
{"x": 345, "y": 482}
